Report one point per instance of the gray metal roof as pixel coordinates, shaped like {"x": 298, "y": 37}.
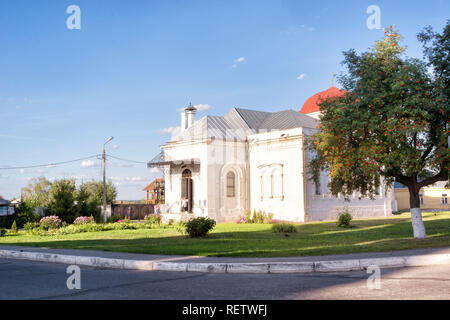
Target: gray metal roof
{"x": 238, "y": 123}
{"x": 4, "y": 202}
{"x": 287, "y": 119}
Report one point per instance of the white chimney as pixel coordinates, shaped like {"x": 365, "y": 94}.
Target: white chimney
{"x": 183, "y": 120}
{"x": 188, "y": 117}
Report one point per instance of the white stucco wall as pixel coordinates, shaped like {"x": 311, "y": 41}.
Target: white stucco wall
{"x": 272, "y": 154}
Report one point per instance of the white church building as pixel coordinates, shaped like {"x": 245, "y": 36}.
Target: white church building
{"x": 252, "y": 160}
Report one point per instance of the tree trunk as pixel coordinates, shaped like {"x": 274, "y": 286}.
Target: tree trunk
{"x": 416, "y": 213}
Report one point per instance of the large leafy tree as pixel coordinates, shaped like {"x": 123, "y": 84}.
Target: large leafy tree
{"x": 62, "y": 200}
{"x": 95, "y": 190}
{"x": 36, "y": 194}
{"x": 86, "y": 203}
{"x": 391, "y": 125}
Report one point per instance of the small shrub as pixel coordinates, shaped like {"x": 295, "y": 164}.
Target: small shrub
{"x": 171, "y": 222}
{"x": 114, "y": 218}
{"x": 2, "y": 232}
{"x": 180, "y": 226}
{"x": 14, "y": 227}
{"x": 268, "y": 218}
{"x": 344, "y": 219}
{"x": 241, "y": 220}
{"x": 151, "y": 220}
{"x": 248, "y": 216}
{"x": 84, "y": 220}
{"x": 50, "y": 222}
{"x": 199, "y": 227}
{"x": 25, "y": 213}
{"x": 31, "y": 225}
{"x": 284, "y": 228}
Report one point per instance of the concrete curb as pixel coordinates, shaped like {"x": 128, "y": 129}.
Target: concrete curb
{"x": 271, "y": 267}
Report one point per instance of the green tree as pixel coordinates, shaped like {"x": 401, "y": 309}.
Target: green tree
{"x": 95, "y": 189}
{"x": 62, "y": 200}
{"x": 37, "y": 192}
{"x": 25, "y": 213}
{"x": 391, "y": 123}
{"x": 14, "y": 227}
{"x": 86, "y": 203}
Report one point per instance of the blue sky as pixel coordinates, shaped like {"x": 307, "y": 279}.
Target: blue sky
{"x": 134, "y": 63}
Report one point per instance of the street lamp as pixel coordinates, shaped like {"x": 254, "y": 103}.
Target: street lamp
{"x": 104, "y": 179}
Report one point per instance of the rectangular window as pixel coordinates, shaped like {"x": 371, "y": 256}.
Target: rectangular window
{"x": 421, "y": 199}
{"x": 271, "y": 186}
{"x": 444, "y": 199}
{"x": 262, "y": 187}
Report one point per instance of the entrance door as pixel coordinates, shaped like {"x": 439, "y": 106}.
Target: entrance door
{"x": 187, "y": 189}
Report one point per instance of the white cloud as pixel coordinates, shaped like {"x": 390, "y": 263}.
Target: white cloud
{"x": 237, "y": 61}
{"x": 90, "y": 164}
{"x": 199, "y": 107}
{"x": 22, "y": 171}
{"x": 155, "y": 170}
{"x": 170, "y": 130}
{"x": 115, "y": 146}
{"x": 302, "y": 76}
{"x": 202, "y": 107}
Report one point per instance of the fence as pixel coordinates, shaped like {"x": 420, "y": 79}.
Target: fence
{"x": 137, "y": 211}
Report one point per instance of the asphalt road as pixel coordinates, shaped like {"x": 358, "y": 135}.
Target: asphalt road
{"x": 35, "y": 280}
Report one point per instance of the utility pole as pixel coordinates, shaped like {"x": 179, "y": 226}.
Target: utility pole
{"x": 104, "y": 179}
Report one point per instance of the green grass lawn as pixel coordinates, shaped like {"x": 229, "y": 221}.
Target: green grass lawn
{"x": 257, "y": 240}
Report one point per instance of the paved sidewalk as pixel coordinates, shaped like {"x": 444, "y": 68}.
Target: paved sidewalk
{"x": 329, "y": 263}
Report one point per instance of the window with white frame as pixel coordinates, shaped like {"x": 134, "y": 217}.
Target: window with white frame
{"x": 231, "y": 184}
{"x": 421, "y": 198}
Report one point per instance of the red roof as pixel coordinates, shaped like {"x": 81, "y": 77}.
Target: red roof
{"x": 311, "y": 105}
{"x": 151, "y": 186}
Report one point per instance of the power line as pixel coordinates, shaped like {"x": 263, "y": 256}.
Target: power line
{"x": 50, "y": 164}
{"x": 128, "y": 160}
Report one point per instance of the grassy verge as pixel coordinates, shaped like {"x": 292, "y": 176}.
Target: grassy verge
{"x": 257, "y": 240}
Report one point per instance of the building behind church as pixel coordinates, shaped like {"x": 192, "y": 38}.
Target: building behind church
{"x": 252, "y": 160}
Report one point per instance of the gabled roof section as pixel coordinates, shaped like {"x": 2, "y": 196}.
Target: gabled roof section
{"x": 252, "y": 118}
{"x": 213, "y": 127}
{"x": 287, "y": 119}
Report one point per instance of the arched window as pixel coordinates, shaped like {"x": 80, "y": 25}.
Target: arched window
{"x": 231, "y": 184}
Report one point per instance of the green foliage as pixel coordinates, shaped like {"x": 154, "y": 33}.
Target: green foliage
{"x": 284, "y": 228}
{"x": 180, "y": 226}
{"x": 344, "y": 219}
{"x": 152, "y": 220}
{"x": 199, "y": 227}
{"x": 391, "y": 123}
{"x": 257, "y": 217}
{"x": 6, "y": 221}
{"x": 36, "y": 194}
{"x": 25, "y": 213}
{"x": 2, "y": 232}
{"x": 62, "y": 200}
{"x": 95, "y": 190}
{"x": 31, "y": 225}
{"x": 113, "y": 218}
{"x": 87, "y": 204}
{"x": 14, "y": 227}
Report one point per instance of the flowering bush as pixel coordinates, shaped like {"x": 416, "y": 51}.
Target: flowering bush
{"x": 83, "y": 220}
{"x": 50, "y": 222}
{"x": 241, "y": 220}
